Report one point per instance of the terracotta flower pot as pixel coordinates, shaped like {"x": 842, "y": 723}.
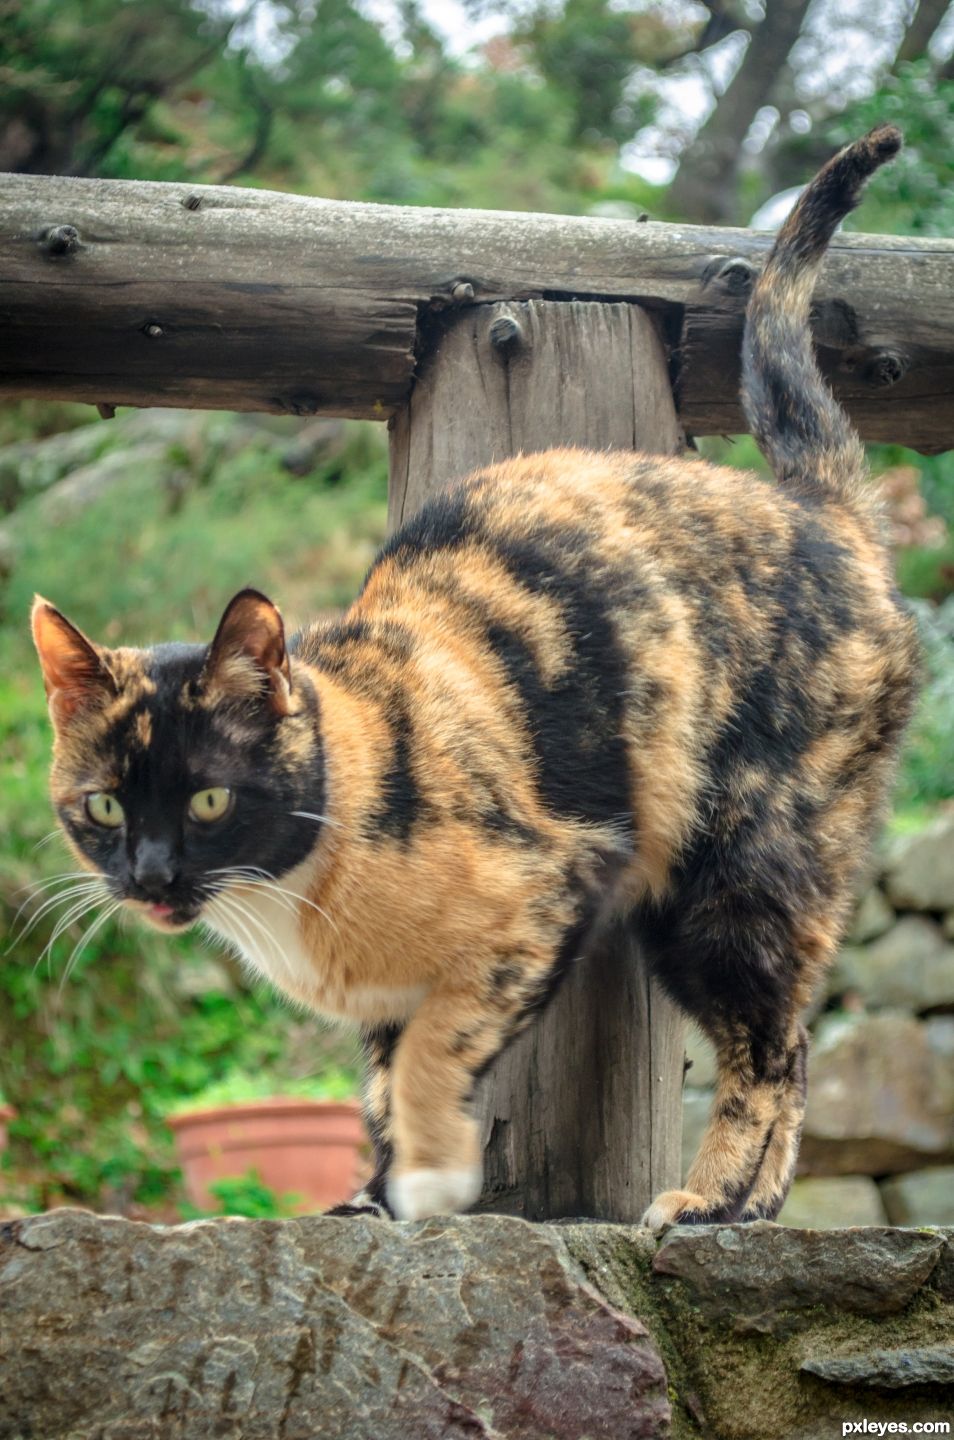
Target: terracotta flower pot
{"x": 7, "y": 1113}
{"x": 313, "y": 1147}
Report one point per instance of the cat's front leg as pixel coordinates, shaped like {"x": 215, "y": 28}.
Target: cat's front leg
{"x": 448, "y": 1043}
{"x": 378, "y": 1042}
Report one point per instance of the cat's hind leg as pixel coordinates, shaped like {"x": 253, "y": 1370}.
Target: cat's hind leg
{"x": 743, "y": 964}
{"x": 750, "y": 1142}
{"x": 777, "y": 1169}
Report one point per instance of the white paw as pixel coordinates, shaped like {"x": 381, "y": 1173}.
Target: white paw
{"x": 419, "y": 1193}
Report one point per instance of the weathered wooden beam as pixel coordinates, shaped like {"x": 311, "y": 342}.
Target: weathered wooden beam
{"x": 582, "y": 1115}
{"x": 129, "y": 292}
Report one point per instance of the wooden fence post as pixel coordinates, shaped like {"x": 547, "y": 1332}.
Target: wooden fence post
{"x": 582, "y": 1115}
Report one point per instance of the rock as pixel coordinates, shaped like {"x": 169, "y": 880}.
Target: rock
{"x": 942, "y": 1280}
{"x": 830, "y": 1203}
{"x": 879, "y": 1099}
{"x": 701, "y": 1074}
{"x": 768, "y": 1279}
{"x": 910, "y": 967}
{"x": 886, "y": 1369}
{"x": 872, "y": 918}
{"x": 939, "y": 1033}
{"x": 251, "y": 1330}
{"x": 924, "y": 1197}
{"x": 457, "y": 1329}
{"x": 696, "y": 1105}
{"x": 920, "y": 868}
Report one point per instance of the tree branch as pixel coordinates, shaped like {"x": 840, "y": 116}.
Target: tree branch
{"x": 705, "y": 185}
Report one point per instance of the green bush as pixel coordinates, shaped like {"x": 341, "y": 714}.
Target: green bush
{"x": 334, "y": 1083}
{"x": 246, "y": 1195}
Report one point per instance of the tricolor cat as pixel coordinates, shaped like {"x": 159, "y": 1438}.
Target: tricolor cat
{"x": 575, "y": 686}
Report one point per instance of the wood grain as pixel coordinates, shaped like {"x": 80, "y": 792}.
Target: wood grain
{"x": 582, "y": 1115}
{"x": 221, "y": 297}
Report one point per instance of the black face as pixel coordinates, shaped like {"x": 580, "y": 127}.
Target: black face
{"x": 175, "y": 781}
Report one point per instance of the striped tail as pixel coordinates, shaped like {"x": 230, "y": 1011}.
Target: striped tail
{"x": 802, "y": 430}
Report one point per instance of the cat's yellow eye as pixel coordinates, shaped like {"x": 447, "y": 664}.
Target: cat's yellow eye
{"x": 105, "y": 809}
{"x": 207, "y": 805}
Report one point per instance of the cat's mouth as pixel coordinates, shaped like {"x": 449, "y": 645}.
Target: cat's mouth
{"x": 169, "y": 918}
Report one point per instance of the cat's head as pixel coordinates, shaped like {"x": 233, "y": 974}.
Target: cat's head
{"x": 175, "y": 764}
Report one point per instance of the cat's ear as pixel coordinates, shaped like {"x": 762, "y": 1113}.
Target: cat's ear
{"x": 74, "y": 671}
{"x": 248, "y": 655}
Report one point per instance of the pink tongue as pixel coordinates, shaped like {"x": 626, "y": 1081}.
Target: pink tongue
{"x": 162, "y": 909}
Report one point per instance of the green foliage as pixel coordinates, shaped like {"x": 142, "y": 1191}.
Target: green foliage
{"x": 927, "y": 774}
{"x": 246, "y": 1195}
{"x": 914, "y": 194}
{"x": 586, "y": 51}
{"x": 80, "y": 79}
{"x": 337, "y": 1082}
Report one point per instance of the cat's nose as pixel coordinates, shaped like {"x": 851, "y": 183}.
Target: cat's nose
{"x": 154, "y": 866}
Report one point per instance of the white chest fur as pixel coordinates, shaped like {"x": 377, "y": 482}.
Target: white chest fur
{"x": 263, "y": 927}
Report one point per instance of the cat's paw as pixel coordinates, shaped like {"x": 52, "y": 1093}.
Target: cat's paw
{"x": 416, "y": 1194}
{"x": 364, "y": 1203}
{"x": 674, "y": 1207}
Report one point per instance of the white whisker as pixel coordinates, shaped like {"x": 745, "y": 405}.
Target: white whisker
{"x": 85, "y": 939}
{"x": 234, "y": 917}
{"x": 50, "y": 903}
{"x": 36, "y": 887}
{"x": 81, "y": 908}
{"x": 319, "y": 819}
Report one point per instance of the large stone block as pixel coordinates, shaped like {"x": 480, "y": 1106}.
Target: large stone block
{"x": 910, "y": 967}
{"x": 880, "y": 1098}
{"x": 314, "y": 1328}
{"x": 872, "y": 917}
{"x": 919, "y": 871}
{"x": 924, "y": 1197}
{"x": 768, "y": 1279}
{"x": 830, "y": 1202}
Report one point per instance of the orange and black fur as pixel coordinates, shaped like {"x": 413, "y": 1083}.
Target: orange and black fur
{"x": 574, "y": 685}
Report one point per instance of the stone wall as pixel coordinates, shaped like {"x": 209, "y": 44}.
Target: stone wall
{"x": 878, "y": 1144}
{"x": 475, "y": 1328}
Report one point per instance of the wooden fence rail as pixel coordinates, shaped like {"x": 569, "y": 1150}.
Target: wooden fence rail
{"x": 128, "y": 292}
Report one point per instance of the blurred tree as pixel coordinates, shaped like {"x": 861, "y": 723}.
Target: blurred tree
{"x": 787, "y": 53}
{"x": 926, "y": 19}
{"x": 587, "y": 51}
{"x": 706, "y": 185}
{"x": 79, "y": 77}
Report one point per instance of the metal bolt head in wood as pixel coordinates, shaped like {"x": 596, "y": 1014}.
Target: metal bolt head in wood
{"x": 505, "y": 333}
{"x": 885, "y": 368}
{"x": 60, "y": 240}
